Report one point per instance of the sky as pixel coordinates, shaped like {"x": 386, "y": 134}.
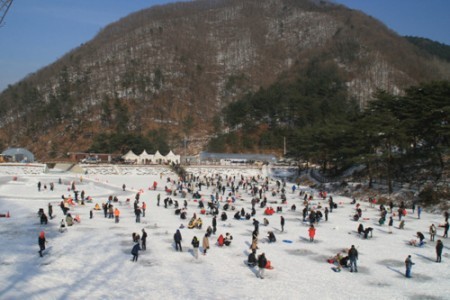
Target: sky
{"x": 37, "y": 33}
{"x": 92, "y": 259}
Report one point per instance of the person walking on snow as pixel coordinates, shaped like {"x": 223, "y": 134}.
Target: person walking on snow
{"x": 144, "y": 207}
{"x": 214, "y": 225}
{"x": 439, "y": 247}
{"x": 432, "y": 232}
{"x": 312, "y": 233}
{"x": 177, "y": 239}
{"x": 116, "y": 215}
{"x": 446, "y": 226}
{"x": 205, "y": 243}
{"x": 282, "y": 223}
{"x": 135, "y": 251}
{"x": 353, "y": 257}
{"x": 262, "y": 262}
{"x": 195, "y": 244}
{"x": 408, "y": 265}
{"x": 50, "y": 211}
{"x": 41, "y": 242}
{"x": 419, "y": 211}
{"x": 144, "y": 239}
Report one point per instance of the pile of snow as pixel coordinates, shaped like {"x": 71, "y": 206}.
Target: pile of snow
{"x": 92, "y": 259}
{"x": 20, "y": 169}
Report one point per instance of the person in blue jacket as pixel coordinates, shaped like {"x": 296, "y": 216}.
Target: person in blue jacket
{"x": 135, "y": 251}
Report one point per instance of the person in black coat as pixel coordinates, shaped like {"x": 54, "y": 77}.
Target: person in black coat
{"x": 195, "y": 244}
{"x": 421, "y": 238}
{"x": 282, "y": 223}
{"x": 271, "y": 236}
{"x": 44, "y": 219}
{"x": 177, "y": 238}
{"x": 252, "y": 261}
{"x": 262, "y": 262}
{"x": 144, "y": 240}
{"x": 223, "y": 216}
{"x": 41, "y": 242}
{"x": 360, "y": 229}
{"x": 214, "y": 225}
{"x": 439, "y": 247}
{"x": 446, "y": 226}
{"x": 256, "y": 225}
{"x": 353, "y": 257}
{"x": 50, "y": 211}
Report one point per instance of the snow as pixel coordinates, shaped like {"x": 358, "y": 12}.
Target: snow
{"x": 92, "y": 259}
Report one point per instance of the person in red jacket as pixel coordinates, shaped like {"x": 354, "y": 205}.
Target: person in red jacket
{"x": 220, "y": 240}
{"x": 312, "y": 233}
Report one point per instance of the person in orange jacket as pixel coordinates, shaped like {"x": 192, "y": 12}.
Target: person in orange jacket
{"x": 117, "y": 214}
{"x": 144, "y": 206}
{"x": 312, "y": 233}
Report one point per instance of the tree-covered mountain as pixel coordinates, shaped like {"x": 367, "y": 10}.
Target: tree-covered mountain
{"x": 402, "y": 138}
{"x": 437, "y": 49}
{"x": 171, "y": 69}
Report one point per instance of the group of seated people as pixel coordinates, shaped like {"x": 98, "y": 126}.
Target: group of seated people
{"x": 195, "y": 223}
{"x": 224, "y": 240}
{"x": 269, "y": 211}
{"x": 419, "y": 243}
{"x": 339, "y": 260}
{"x": 365, "y": 232}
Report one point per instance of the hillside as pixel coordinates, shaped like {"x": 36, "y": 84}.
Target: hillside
{"x": 437, "y": 49}
{"x": 176, "y": 66}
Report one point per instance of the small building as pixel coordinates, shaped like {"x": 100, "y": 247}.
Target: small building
{"x": 21, "y": 155}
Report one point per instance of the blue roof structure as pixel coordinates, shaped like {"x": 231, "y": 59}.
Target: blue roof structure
{"x": 19, "y": 155}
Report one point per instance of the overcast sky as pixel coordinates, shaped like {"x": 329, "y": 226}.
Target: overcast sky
{"x": 36, "y": 33}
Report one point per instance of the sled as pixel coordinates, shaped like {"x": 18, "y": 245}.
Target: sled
{"x": 337, "y": 270}
{"x": 250, "y": 266}
{"x": 287, "y": 241}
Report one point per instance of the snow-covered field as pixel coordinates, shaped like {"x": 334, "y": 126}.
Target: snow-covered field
{"x": 92, "y": 259}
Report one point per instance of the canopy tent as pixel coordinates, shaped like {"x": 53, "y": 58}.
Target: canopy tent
{"x": 145, "y": 158}
{"x": 130, "y": 157}
{"x": 158, "y": 157}
{"x": 171, "y": 157}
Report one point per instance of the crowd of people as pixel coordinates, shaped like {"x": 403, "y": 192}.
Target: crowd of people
{"x": 226, "y": 193}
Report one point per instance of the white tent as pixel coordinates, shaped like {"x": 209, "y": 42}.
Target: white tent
{"x": 145, "y": 158}
{"x": 158, "y": 158}
{"x": 171, "y": 157}
{"x": 130, "y": 157}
